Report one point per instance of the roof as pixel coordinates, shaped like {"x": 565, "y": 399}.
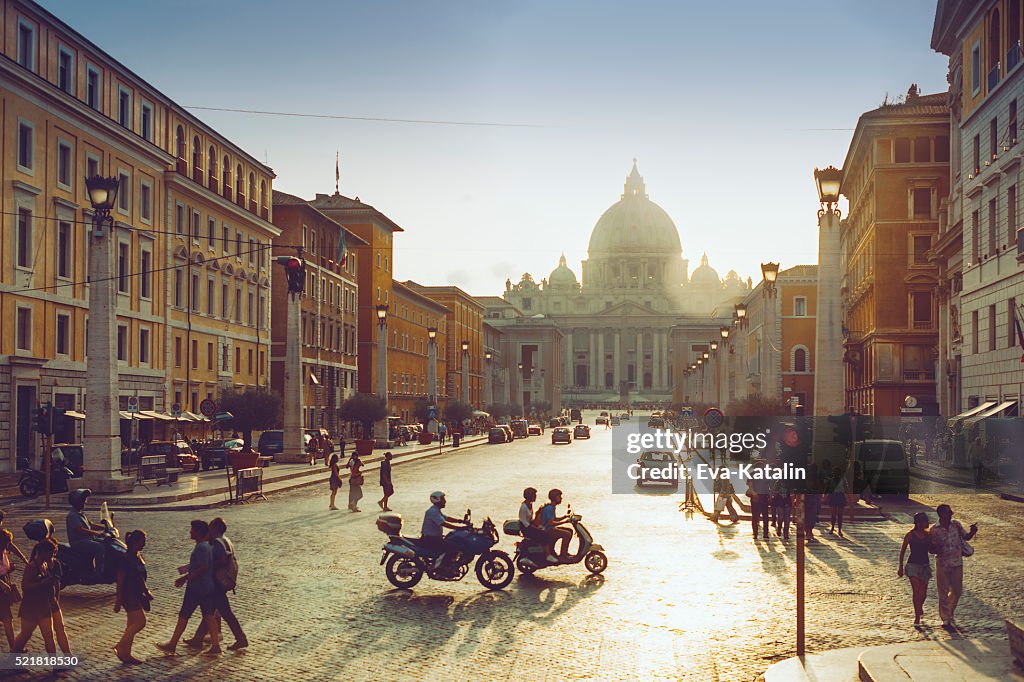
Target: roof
{"x": 280, "y": 198}
{"x": 922, "y": 105}
{"x": 341, "y": 202}
{"x": 800, "y": 271}
{"x": 401, "y": 289}
{"x": 433, "y": 291}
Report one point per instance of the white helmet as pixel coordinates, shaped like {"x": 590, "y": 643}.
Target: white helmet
{"x": 436, "y": 496}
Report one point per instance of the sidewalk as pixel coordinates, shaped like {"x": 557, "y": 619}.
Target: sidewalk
{"x": 964, "y": 478}
{"x": 210, "y": 488}
{"x": 960, "y": 659}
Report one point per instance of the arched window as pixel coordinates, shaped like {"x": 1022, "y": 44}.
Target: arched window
{"x": 252, "y": 189}
{"x": 179, "y": 143}
{"x": 197, "y": 158}
{"x": 211, "y": 168}
{"x": 239, "y": 187}
{"x": 263, "y": 197}
{"x": 994, "y": 49}
{"x": 1012, "y": 33}
{"x": 226, "y": 175}
{"x": 799, "y": 359}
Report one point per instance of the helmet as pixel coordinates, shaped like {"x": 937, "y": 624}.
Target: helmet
{"x": 436, "y": 496}
{"x": 77, "y": 498}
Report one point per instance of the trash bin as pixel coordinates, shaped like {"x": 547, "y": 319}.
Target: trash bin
{"x": 456, "y": 439}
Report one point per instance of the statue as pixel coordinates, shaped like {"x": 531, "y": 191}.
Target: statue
{"x": 954, "y": 322}
{"x": 508, "y": 284}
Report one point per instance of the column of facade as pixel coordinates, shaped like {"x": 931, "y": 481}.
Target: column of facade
{"x": 656, "y": 360}
{"x": 569, "y": 378}
{"x": 592, "y": 381}
{"x": 617, "y": 364}
{"x": 600, "y": 359}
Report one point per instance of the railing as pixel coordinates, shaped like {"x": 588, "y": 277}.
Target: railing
{"x": 993, "y": 77}
{"x": 1013, "y": 57}
{"x": 213, "y": 184}
{"x": 226, "y": 192}
{"x": 197, "y": 174}
{"x": 923, "y": 324}
{"x": 919, "y": 375}
{"x": 182, "y": 166}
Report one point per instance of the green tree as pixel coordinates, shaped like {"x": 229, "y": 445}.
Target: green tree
{"x": 254, "y": 409}
{"x": 365, "y": 409}
{"x": 458, "y": 412}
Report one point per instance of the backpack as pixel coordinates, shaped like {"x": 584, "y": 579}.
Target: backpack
{"x": 227, "y": 575}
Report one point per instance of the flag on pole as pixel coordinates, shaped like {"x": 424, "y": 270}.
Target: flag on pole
{"x": 1020, "y": 332}
{"x": 337, "y": 172}
{"x": 342, "y": 255}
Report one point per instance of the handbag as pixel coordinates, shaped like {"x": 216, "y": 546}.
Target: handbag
{"x": 965, "y": 548}
{"x": 356, "y": 479}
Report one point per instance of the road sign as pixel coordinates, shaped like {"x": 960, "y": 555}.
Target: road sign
{"x": 208, "y": 407}
{"x": 686, "y": 412}
{"x": 133, "y": 404}
{"x": 176, "y": 410}
{"x": 431, "y": 412}
{"x": 713, "y": 417}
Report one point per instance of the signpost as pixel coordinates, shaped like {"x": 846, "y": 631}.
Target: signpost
{"x": 208, "y": 408}
{"x": 713, "y": 418}
{"x": 176, "y": 410}
{"x": 133, "y": 403}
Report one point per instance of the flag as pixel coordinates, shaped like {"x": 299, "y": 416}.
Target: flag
{"x": 337, "y": 172}
{"x": 342, "y": 256}
{"x": 1020, "y": 333}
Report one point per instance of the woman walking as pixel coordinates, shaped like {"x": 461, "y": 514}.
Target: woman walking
{"x": 335, "y": 480}
{"x": 387, "y": 487}
{"x": 355, "y": 482}
{"x": 838, "y": 498}
{"x": 918, "y": 567}
{"x": 132, "y": 594}
{"x": 9, "y": 594}
{"x": 39, "y": 585}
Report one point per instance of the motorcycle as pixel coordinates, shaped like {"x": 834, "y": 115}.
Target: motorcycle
{"x": 532, "y": 555}
{"x": 76, "y": 569}
{"x": 405, "y": 561}
{"x": 33, "y": 481}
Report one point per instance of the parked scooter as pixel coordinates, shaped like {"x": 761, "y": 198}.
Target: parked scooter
{"x": 33, "y": 481}
{"x": 531, "y": 555}
{"x": 75, "y": 569}
{"x": 406, "y": 561}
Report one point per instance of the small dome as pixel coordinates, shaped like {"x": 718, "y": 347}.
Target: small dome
{"x": 705, "y": 274}
{"x": 562, "y": 277}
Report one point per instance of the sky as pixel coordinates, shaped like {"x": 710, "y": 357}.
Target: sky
{"x": 727, "y": 107}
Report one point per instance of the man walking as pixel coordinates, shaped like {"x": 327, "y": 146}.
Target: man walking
{"x": 757, "y": 491}
{"x": 225, "y": 574}
{"x": 442, "y": 430}
{"x": 948, "y": 537}
{"x": 197, "y": 576}
{"x": 385, "y": 482}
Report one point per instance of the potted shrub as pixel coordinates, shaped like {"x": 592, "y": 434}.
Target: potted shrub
{"x": 365, "y": 409}
{"x": 420, "y": 413}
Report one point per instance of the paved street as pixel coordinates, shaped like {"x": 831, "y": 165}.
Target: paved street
{"x": 681, "y": 599}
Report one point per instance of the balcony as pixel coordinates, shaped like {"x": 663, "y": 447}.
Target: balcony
{"x": 181, "y": 166}
{"x": 919, "y": 375}
{"x": 993, "y": 77}
{"x": 1013, "y": 57}
{"x": 924, "y": 324}
{"x": 213, "y": 184}
{"x": 227, "y": 193}
{"x": 197, "y": 175}
{"x": 240, "y": 200}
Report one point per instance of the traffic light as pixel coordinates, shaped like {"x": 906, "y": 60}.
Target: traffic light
{"x": 842, "y": 428}
{"x": 41, "y": 417}
{"x": 57, "y": 420}
{"x": 795, "y": 442}
{"x": 295, "y": 270}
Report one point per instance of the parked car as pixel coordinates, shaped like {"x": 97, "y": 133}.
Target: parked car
{"x": 509, "y": 436}
{"x": 534, "y": 430}
{"x": 601, "y": 420}
{"x": 555, "y": 421}
{"x": 604, "y": 413}
{"x": 656, "y": 460}
{"x": 562, "y": 434}
{"x": 271, "y": 443}
{"x": 885, "y": 466}
{"x": 520, "y": 428}
{"x": 214, "y": 453}
{"x": 581, "y": 431}
{"x": 497, "y": 435}
{"x": 178, "y": 454}
{"x": 616, "y": 421}
{"x": 656, "y": 422}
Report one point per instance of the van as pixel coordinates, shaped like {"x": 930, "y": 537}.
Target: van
{"x": 885, "y": 466}
{"x": 520, "y": 428}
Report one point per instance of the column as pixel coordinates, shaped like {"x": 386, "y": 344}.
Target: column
{"x": 828, "y": 353}
{"x": 293, "y": 446}
{"x": 617, "y": 364}
{"x": 723, "y": 351}
{"x": 600, "y": 360}
{"x": 432, "y": 371}
{"x": 569, "y": 378}
{"x": 657, "y": 360}
{"x": 592, "y": 380}
{"x": 380, "y": 429}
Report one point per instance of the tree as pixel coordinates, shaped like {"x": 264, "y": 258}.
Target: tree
{"x": 254, "y": 409}
{"x": 365, "y": 409}
{"x": 498, "y": 410}
{"x": 458, "y": 412}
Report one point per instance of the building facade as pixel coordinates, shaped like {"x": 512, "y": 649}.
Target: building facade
{"x": 895, "y": 174}
{"x": 182, "y": 229}
{"x": 411, "y": 316}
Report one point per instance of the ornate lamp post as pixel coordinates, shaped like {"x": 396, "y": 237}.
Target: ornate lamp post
{"x": 770, "y": 272}
{"x": 829, "y": 371}
{"x": 521, "y": 392}
{"x": 382, "y": 361}
{"x": 432, "y": 364}
{"x": 488, "y": 380}
{"x": 465, "y": 372}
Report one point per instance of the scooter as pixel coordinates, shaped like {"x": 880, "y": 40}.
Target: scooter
{"x": 75, "y": 569}
{"x": 33, "y": 481}
{"x": 405, "y": 561}
{"x": 532, "y": 555}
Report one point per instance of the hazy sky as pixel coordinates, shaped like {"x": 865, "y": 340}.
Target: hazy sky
{"x": 728, "y": 107}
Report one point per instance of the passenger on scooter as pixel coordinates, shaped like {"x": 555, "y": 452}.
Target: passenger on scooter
{"x": 550, "y": 522}
{"x": 434, "y": 523}
{"x": 84, "y": 536}
{"x": 527, "y": 524}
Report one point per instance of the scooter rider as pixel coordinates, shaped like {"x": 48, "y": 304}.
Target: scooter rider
{"x": 83, "y": 536}
{"x": 527, "y": 525}
{"x": 551, "y": 522}
{"x": 434, "y": 523}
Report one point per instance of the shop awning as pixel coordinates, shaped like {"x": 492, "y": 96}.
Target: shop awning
{"x": 157, "y": 415}
{"x": 971, "y": 412}
{"x": 134, "y": 415}
{"x": 192, "y": 417}
{"x": 991, "y": 412}
{"x": 72, "y": 414}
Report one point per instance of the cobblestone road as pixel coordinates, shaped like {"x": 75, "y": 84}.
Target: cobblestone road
{"x": 681, "y": 599}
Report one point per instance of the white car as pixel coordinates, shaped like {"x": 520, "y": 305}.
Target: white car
{"x": 655, "y": 466}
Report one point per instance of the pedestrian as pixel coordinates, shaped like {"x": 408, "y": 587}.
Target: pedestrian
{"x": 12, "y": 547}
{"x": 784, "y": 512}
{"x": 329, "y": 447}
{"x": 838, "y": 497}
{"x": 9, "y": 592}
{"x": 726, "y": 492}
{"x": 757, "y": 491}
{"x": 312, "y": 449}
{"x": 197, "y": 576}
{"x": 918, "y": 567}
{"x": 949, "y": 542}
{"x": 812, "y": 500}
{"x": 442, "y": 430}
{"x": 341, "y": 447}
{"x": 976, "y": 458}
{"x": 355, "y": 482}
{"x": 335, "y": 480}
{"x": 39, "y": 589}
{"x": 225, "y": 576}
{"x": 132, "y": 595}
{"x": 385, "y": 482}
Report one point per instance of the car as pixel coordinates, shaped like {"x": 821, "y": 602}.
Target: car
{"x": 581, "y": 431}
{"x": 271, "y": 443}
{"x": 178, "y": 454}
{"x": 496, "y": 435}
{"x": 72, "y": 454}
{"x": 656, "y": 422}
{"x": 509, "y": 436}
{"x": 533, "y": 430}
{"x": 616, "y": 421}
{"x": 604, "y": 413}
{"x": 885, "y": 466}
{"x": 555, "y": 421}
{"x": 214, "y": 453}
{"x": 654, "y": 467}
{"x": 561, "y": 434}
{"x": 520, "y": 428}
{"x": 601, "y": 420}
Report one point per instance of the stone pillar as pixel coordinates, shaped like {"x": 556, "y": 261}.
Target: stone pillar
{"x": 617, "y": 364}
{"x": 380, "y": 429}
{"x": 570, "y": 361}
{"x": 600, "y": 360}
{"x": 828, "y": 354}
{"x": 464, "y": 393}
{"x": 293, "y": 445}
{"x": 656, "y": 361}
{"x": 769, "y": 386}
{"x": 592, "y": 380}
{"x": 102, "y": 442}
{"x": 432, "y": 371}
{"x": 487, "y": 399}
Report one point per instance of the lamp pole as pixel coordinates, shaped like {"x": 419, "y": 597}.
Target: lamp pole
{"x": 102, "y": 443}
{"x": 726, "y": 351}
{"x": 770, "y": 272}
{"x": 829, "y": 370}
{"x": 488, "y": 381}
{"x": 718, "y": 366}
{"x": 519, "y": 384}
{"x": 432, "y": 364}
{"x": 465, "y": 373}
{"x": 382, "y": 363}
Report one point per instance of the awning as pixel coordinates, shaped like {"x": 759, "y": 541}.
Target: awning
{"x": 192, "y": 416}
{"x": 156, "y": 415}
{"x": 72, "y": 414}
{"x": 481, "y": 413}
{"x": 971, "y": 412}
{"x": 134, "y": 415}
{"x": 991, "y": 412}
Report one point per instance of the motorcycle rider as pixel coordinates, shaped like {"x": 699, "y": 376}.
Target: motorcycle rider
{"x": 434, "y": 522}
{"x": 84, "y": 536}
{"x": 551, "y": 522}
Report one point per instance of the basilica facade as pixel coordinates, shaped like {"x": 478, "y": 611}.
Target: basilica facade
{"x": 635, "y": 287}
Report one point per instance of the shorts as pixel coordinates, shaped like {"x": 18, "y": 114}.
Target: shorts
{"x": 206, "y": 604}
{"x": 388, "y": 489}
{"x": 922, "y": 571}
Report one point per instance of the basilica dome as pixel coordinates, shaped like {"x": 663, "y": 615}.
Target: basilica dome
{"x": 562, "y": 277}
{"x": 705, "y": 274}
{"x": 634, "y": 225}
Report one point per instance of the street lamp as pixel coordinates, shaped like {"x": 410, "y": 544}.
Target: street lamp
{"x": 465, "y": 371}
{"x": 488, "y": 380}
{"x": 770, "y": 272}
{"x": 714, "y": 346}
{"x": 382, "y": 315}
{"x": 432, "y": 363}
{"x": 829, "y": 180}
{"x": 741, "y": 312}
{"x": 724, "y": 331}
{"x": 382, "y": 360}
{"x": 705, "y": 356}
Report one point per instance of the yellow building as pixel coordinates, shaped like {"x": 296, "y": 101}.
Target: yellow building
{"x": 409, "y": 318}
{"x": 191, "y": 220}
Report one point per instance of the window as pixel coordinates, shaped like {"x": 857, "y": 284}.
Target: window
{"x": 122, "y": 343}
{"x": 123, "y": 192}
{"x": 26, "y": 144}
{"x": 209, "y": 356}
{"x": 800, "y": 360}
{"x": 24, "y": 328}
{"x": 991, "y": 327}
{"x": 977, "y": 154}
{"x": 63, "y": 327}
{"x": 143, "y": 346}
{"x": 1011, "y": 323}
{"x": 921, "y": 245}
{"x": 124, "y": 107}
{"x": 26, "y": 44}
{"x": 1011, "y": 214}
{"x": 976, "y": 68}
{"x": 195, "y": 354}
{"x": 974, "y": 332}
{"x": 92, "y": 166}
{"x": 211, "y": 169}
{"x": 92, "y": 87}
{"x": 252, "y": 251}
{"x": 25, "y": 238}
{"x": 145, "y": 201}
{"x": 992, "y": 226}
{"x": 251, "y": 309}
{"x": 179, "y": 219}
{"x": 197, "y": 220}
{"x": 146, "y": 129}
{"x": 378, "y": 260}
{"x": 902, "y": 149}
{"x": 386, "y": 265}
{"x": 1011, "y": 127}
{"x": 146, "y": 274}
{"x": 123, "y": 267}
{"x": 179, "y": 293}
{"x": 209, "y": 297}
{"x": 64, "y": 249}
{"x": 922, "y": 149}
{"x": 922, "y": 202}
{"x": 250, "y": 361}
{"x": 177, "y": 351}
{"x": 942, "y": 148}
{"x": 800, "y": 306}
{"x": 211, "y": 230}
{"x": 65, "y": 159}
{"x": 65, "y": 70}
{"x": 238, "y": 305}
{"x": 224, "y": 301}
{"x": 263, "y": 304}
{"x": 975, "y": 237}
{"x": 238, "y": 245}
{"x": 921, "y": 302}
{"x": 238, "y": 359}
{"x": 993, "y": 139}
{"x": 225, "y": 236}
